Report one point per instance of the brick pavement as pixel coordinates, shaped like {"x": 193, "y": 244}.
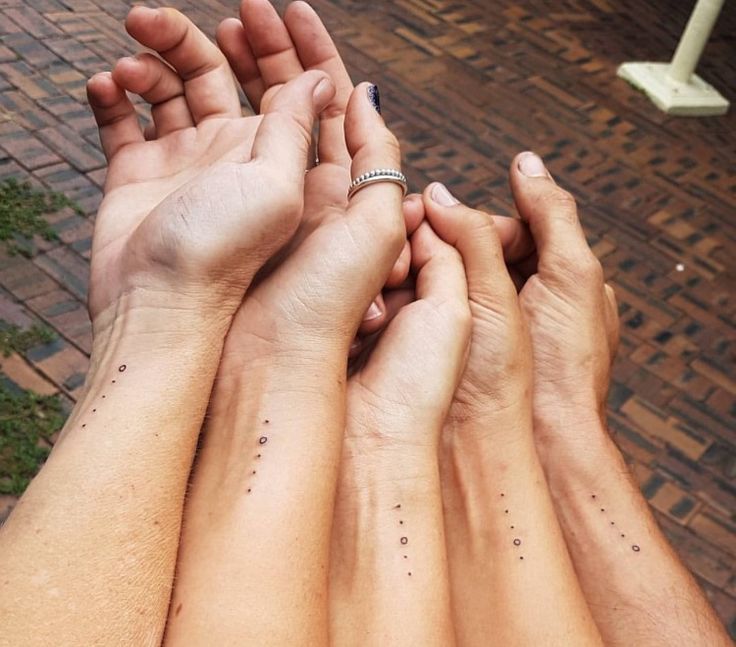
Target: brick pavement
{"x": 466, "y": 85}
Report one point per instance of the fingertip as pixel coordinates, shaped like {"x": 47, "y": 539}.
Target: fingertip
{"x": 374, "y": 318}
{"x": 137, "y": 18}
{"x": 529, "y": 165}
{"x": 401, "y": 268}
{"x": 102, "y": 91}
{"x": 324, "y": 91}
{"x": 413, "y": 207}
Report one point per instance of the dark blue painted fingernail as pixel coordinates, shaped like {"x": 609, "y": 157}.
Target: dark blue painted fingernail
{"x": 374, "y": 96}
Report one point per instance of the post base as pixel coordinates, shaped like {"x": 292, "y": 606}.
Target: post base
{"x": 693, "y": 99}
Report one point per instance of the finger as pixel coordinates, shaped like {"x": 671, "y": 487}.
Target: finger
{"x": 283, "y": 140}
{"x": 401, "y": 268}
{"x": 208, "y": 82}
{"x": 374, "y": 318}
{"x": 155, "y": 82}
{"x": 233, "y": 41}
{"x": 375, "y": 212}
{"x": 613, "y": 322}
{"x": 515, "y": 238}
{"x": 317, "y": 51}
{"x": 114, "y": 113}
{"x": 473, "y": 234}
{"x": 394, "y": 301}
{"x": 441, "y": 277}
{"x": 413, "y": 212}
{"x": 550, "y": 212}
{"x": 441, "y": 282}
{"x": 270, "y": 42}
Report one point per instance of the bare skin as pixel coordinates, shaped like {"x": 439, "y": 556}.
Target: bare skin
{"x": 88, "y": 554}
{"x": 259, "y": 515}
{"x": 638, "y": 590}
{"x": 511, "y": 577}
{"x": 389, "y": 570}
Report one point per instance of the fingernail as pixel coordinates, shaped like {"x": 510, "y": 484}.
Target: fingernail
{"x": 442, "y": 196}
{"x": 323, "y": 92}
{"x": 374, "y": 96}
{"x": 531, "y": 165}
{"x": 373, "y": 312}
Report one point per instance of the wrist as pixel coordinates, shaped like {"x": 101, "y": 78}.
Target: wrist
{"x": 579, "y": 457}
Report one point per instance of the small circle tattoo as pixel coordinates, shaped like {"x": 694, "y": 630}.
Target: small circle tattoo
{"x": 122, "y": 368}
{"x": 404, "y": 541}
{"x": 635, "y": 548}
{"x": 262, "y": 440}
{"x": 517, "y": 542}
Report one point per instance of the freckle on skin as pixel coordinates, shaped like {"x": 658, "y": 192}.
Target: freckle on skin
{"x": 506, "y": 511}
{"x": 603, "y": 509}
{"x": 266, "y": 421}
{"x": 178, "y": 609}
{"x": 396, "y": 507}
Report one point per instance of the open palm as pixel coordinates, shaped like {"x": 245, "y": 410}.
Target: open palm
{"x": 211, "y": 194}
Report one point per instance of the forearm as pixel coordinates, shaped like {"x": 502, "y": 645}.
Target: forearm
{"x": 258, "y": 520}
{"x": 89, "y": 553}
{"x": 638, "y": 590}
{"x": 511, "y": 574}
{"x": 389, "y": 572}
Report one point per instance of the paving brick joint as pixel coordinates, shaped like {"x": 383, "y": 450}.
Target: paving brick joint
{"x": 465, "y": 86}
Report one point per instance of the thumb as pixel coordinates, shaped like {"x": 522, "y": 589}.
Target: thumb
{"x": 284, "y": 138}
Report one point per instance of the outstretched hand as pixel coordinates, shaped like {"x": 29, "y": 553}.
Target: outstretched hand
{"x": 195, "y": 211}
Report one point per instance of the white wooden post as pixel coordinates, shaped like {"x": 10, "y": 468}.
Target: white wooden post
{"x": 674, "y": 87}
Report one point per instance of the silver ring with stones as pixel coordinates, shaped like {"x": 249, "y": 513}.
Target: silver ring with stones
{"x": 376, "y": 176}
